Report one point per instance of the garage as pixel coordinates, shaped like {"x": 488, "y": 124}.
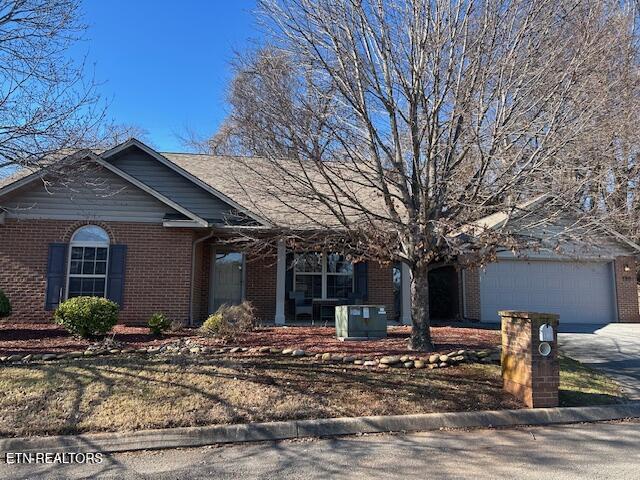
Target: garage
{"x": 580, "y": 292}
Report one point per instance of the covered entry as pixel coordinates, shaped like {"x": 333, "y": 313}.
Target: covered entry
{"x": 580, "y": 292}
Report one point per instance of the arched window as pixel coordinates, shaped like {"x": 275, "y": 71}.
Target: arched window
{"x": 88, "y": 260}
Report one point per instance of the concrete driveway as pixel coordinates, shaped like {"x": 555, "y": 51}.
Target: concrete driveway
{"x": 612, "y": 348}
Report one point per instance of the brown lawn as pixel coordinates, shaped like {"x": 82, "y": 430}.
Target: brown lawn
{"x": 129, "y": 393}
{"x": 44, "y": 338}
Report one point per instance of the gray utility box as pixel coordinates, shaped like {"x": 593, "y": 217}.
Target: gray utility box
{"x": 358, "y": 322}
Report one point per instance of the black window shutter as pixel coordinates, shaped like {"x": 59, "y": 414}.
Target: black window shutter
{"x": 115, "y": 279}
{"x": 288, "y": 277}
{"x": 361, "y": 280}
{"x": 56, "y": 275}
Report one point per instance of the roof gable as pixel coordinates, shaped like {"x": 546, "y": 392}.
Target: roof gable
{"x": 96, "y": 193}
{"x": 178, "y": 184}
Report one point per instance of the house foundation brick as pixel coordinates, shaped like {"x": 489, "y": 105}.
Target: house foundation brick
{"x": 626, "y": 289}
{"x": 526, "y": 373}
{"x": 157, "y": 276}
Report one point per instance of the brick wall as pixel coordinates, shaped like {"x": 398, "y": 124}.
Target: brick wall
{"x": 380, "y": 286}
{"x": 471, "y": 294}
{"x": 626, "y": 290}
{"x": 527, "y": 374}
{"x": 157, "y": 276}
{"x": 261, "y": 285}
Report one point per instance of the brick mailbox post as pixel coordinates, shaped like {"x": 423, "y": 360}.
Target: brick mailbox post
{"x": 530, "y": 367}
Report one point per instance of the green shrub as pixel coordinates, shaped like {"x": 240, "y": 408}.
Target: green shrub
{"x": 211, "y": 326}
{"x": 229, "y": 321}
{"x": 158, "y": 324}
{"x": 5, "y": 306}
{"x": 87, "y": 316}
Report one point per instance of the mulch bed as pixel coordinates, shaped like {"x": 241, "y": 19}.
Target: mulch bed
{"x": 322, "y": 339}
{"x": 24, "y": 338}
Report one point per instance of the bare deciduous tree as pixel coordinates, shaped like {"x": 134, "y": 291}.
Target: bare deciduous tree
{"x": 398, "y": 124}
{"x": 47, "y": 105}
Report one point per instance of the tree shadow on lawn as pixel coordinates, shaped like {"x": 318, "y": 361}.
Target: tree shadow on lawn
{"x": 135, "y": 393}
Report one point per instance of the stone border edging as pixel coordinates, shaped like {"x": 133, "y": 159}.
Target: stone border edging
{"x": 252, "y": 432}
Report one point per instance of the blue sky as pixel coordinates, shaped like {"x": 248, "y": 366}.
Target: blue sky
{"x": 165, "y": 64}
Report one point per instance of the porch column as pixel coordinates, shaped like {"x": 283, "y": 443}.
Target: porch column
{"x": 281, "y": 272}
{"x": 405, "y": 293}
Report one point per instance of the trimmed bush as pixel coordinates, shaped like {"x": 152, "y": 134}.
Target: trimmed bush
{"x": 87, "y": 317}
{"x": 5, "y": 305}
{"x": 158, "y": 324}
{"x": 212, "y": 325}
{"x": 229, "y": 321}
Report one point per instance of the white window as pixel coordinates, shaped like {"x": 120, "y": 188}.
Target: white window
{"x": 88, "y": 260}
{"x": 323, "y": 275}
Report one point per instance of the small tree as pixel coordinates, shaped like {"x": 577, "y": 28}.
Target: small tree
{"x": 391, "y": 127}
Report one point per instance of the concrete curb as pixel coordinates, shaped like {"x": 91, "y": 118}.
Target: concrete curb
{"x": 252, "y": 432}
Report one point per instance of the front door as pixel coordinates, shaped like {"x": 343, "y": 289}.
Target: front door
{"x": 228, "y": 279}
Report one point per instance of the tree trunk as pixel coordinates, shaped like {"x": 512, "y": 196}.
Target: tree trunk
{"x": 420, "y": 320}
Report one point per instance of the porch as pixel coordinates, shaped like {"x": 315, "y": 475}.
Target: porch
{"x": 302, "y": 288}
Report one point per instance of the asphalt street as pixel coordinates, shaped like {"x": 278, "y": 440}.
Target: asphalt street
{"x": 586, "y": 451}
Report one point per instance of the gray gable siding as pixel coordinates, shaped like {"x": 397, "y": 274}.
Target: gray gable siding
{"x": 172, "y": 185}
{"x": 96, "y": 194}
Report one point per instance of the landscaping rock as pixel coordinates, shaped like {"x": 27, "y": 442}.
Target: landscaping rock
{"x": 370, "y": 363}
{"x": 382, "y": 366}
{"x": 36, "y": 356}
{"x": 431, "y": 366}
{"x": 264, "y": 349}
{"x": 194, "y": 350}
{"x": 275, "y": 350}
{"x": 326, "y": 356}
{"x": 287, "y": 351}
{"x": 443, "y": 358}
{"x": 483, "y": 353}
{"x": 153, "y": 350}
{"x": 348, "y": 359}
{"x": 27, "y": 358}
{"x": 14, "y": 358}
{"x": 89, "y": 353}
{"x": 244, "y": 349}
{"x": 434, "y": 358}
{"x": 237, "y": 349}
{"x": 336, "y": 357}
{"x": 418, "y": 364}
{"x": 127, "y": 351}
{"x": 49, "y": 356}
{"x": 205, "y": 350}
{"x": 2, "y": 359}
{"x": 114, "y": 351}
{"x": 358, "y": 362}
{"x": 443, "y": 365}
{"x": 408, "y": 364}
{"x": 297, "y": 353}
{"x": 458, "y": 359}
{"x": 390, "y": 360}
{"x": 404, "y": 358}
{"x": 75, "y": 354}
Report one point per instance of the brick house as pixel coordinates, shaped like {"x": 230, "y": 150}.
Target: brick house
{"x": 147, "y": 230}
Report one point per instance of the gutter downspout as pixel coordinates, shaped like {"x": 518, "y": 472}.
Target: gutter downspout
{"x": 193, "y": 271}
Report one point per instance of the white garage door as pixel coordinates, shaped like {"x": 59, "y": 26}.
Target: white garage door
{"x": 580, "y": 292}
